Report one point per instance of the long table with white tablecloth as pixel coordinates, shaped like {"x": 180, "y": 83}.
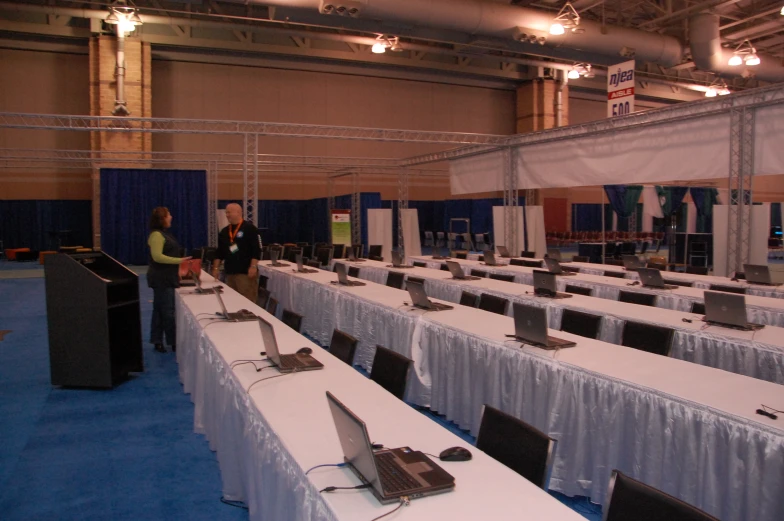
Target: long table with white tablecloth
{"x": 267, "y": 438}
{"x": 758, "y": 354}
{"x": 761, "y": 310}
{"x": 686, "y": 429}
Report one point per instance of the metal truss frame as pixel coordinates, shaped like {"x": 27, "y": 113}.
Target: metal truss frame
{"x": 740, "y": 180}
{"x": 212, "y": 204}
{"x": 402, "y": 204}
{"x": 511, "y": 201}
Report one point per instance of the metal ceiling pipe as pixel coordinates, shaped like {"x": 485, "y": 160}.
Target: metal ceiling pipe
{"x": 709, "y": 55}
{"x": 503, "y": 20}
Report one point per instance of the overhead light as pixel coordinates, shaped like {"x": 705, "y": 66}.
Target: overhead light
{"x": 711, "y": 93}
{"x": 580, "y": 70}
{"x": 567, "y": 19}
{"x": 123, "y": 16}
{"x": 573, "y": 74}
{"x": 717, "y": 88}
{"x": 379, "y": 48}
{"x": 384, "y": 42}
{"x": 782, "y": 11}
{"x": 745, "y": 52}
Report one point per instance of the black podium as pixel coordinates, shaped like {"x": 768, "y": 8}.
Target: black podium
{"x": 94, "y": 318}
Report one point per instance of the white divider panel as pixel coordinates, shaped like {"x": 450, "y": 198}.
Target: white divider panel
{"x": 760, "y": 228}
{"x": 221, "y": 218}
{"x": 499, "y": 226}
{"x": 537, "y": 240}
{"x": 380, "y": 230}
{"x": 411, "y": 232}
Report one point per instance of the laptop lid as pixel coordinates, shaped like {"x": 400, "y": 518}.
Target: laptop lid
{"x": 489, "y": 258}
{"x": 553, "y": 266}
{"x": 544, "y": 282}
{"x": 300, "y": 266}
{"x": 340, "y": 269}
{"x": 554, "y": 253}
{"x": 651, "y": 277}
{"x": 274, "y": 256}
{"x": 757, "y": 273}
{"x": 222, "y": 305}
{"x": 455, "y": 269}
{"x": 196, "y": 279}
{"x": 350, "y": 251}
{"x": 725, "y": 308}
{"x": 502, "y": 251}
{"x": 530, "y": 323}
{"x": 631, "y": 262}
{"x": 355, "y": 442}
{"x": 270, "y": 342}
{"x": 418, "y": 294}
{"x": 397, "y": 260}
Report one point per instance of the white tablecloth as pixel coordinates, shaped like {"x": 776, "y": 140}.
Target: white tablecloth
{"x": 760, "y": 310}
{"x": 697, "y": 281}
{"x": 758, "y": 354}
{"x": 686, "y": 429}
{"x": 266, "y": 439}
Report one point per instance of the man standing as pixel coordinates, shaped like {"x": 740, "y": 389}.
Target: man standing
{"x": 239, "y": 247}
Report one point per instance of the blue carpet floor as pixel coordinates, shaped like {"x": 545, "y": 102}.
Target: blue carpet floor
{"x": 125, "y": 454}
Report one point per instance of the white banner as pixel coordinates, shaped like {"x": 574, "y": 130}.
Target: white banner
{"x": 620, "y": 89}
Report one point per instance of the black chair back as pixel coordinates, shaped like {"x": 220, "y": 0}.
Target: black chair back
{"x": 461, "y": 255}
{"x": 697, "y": 270}
{"x": 272, "y": 306}
{"x": 419, "y": 280}
{"x": 628, "y": 499}
{"x": 581, "y": 258}
{"x": 531, "y": 264}
{"x": 499, "y": 276}
{"x": 390, "y": 371}
{"x": 353, "y": 271}
{"x": 517, "y": 262}
{"x": 420, "y": 264}
{"x": 681, "y": 283}
{"x": 579, "y": 290}
{"x": 579, "y": 323}
{"x": 263, "y": 298}
{"x": 323, "y": 256}
{"x": 314, "y": 263}
{"x": 493, "y": 304}
{"x": 292, "y": 254}
{"x": 647, "y": 337}
{"x": 263, "y": 279}
{"x": 616, "y": 274}
{"x": 528, "y": 254}
{"x": 468, "y": 299}
{"x": 643, "y": 299}
{"x": 374, "y": 250}
{"x": 293, "y": 320}
{"x": 444, "y": 267}
{"x": 338, "y": 251}
{"x": 728, "y": 289}
{"x": 698, "y": 307}
{"x": 519, "y": 446}
{"x": 479, "y": 273}
{"x": 395, "y": 279}
{"x": 376, "y": 258}
{"x": 343, "y": 346}
{"x": 570, "y": 269}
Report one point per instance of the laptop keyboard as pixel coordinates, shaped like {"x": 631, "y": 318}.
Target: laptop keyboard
{"x": 393, "y": 477}
{"x": 292, "y": 361}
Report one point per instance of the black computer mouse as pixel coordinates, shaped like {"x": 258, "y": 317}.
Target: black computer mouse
{"x": 455, "y": 454}
{"x": 304, "y": 351}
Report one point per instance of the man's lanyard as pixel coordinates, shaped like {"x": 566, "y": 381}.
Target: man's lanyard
{"x": 232, "y": 235}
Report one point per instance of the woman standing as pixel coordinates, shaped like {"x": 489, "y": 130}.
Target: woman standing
{"x": 163, "y": 277}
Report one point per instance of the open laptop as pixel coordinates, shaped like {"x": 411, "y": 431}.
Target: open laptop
{"x": 340, "y": 269}
{"x": 390, "y": 473}
{"x": 651, "y": 278}
{"x": 554, "y": 253}
{"x": 457, "y": 271}
{"x": 242, "y": 315}
{"x": 503, "y": 252}
{"x": 397, "y": 261}
{"x": 301, "y": 266}
{"x": 352, "y": 257}
{"x": 274, "y": 259}
{"x": 758, "y": 274}
{"x": 191, "y": 281}
{"x": 727, "y": 310}
{"x": 531, "y": 327}
{"x": 285, "y": 363}
{"x": 632, "y": 262}
{"x": 553, "y": 266}
{"x": 489, "y": 258}
{"x": 419, "y": 297}
{"x": 199, "y": 288}
{"x": 545, "y": 285}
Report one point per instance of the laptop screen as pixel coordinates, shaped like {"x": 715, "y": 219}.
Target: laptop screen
{"x": 725, "y": 308}
{"x": 503, "y": 251}
{"x": 340, "y": 269}
{"x": 631, "y": 261}
{"x": 300, "y": 266}
{"x": 222, "y": 305}
{"x": 196, "y": 279}
{"x": 756, "y": 273}
{"x": 553, "y": 265}
{"x": 544, "y": 282}
{"x": 530, "y": 323}
{"x": 274, "y": 256}
{"x": 396, "y": 259}
{"x": 489, "y": 258}
{"x": 455, "y": 269}
{"x": 651, "y": 277}
{"x": 418, "y": 294}
{"x": 270, "y": 342}
{"x": 354, "y": 440}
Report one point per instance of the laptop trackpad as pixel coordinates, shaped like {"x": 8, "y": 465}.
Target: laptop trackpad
{"x": 418, "y": 468}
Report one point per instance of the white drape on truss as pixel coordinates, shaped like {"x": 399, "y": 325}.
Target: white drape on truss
{"x": 380, "y": 230}
{"x": 411, "y": 238}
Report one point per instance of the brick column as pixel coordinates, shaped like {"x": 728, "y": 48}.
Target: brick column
{"x": 118, "y": 149}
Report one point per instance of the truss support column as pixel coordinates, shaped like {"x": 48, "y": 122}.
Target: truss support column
{"x": 212, "y": 204}
{"x": 250, "y": 199}
{"x": 402, "y": 204}
{"x": 740, "y": 187}
{"x": 356, "y": 211}
{"x": 96, "y": 178}
{"x": 510, "y": 201}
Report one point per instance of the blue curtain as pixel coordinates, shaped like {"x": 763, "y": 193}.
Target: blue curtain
{"x": 586, "y": 217}
{"x": 775, "y": 214}
{"x": 128, "y": 197}
{"x": 623, "y": 199}
{"x": 31, "y": 224}
{"x": 704, "y": 199}
{"x": 623, "y": 222}
{"x": 673, "y": 198}
{"x": 283, "y": 221}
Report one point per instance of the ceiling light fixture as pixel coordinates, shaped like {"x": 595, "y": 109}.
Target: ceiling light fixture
{"x": 580, "y": 70}
{"x": 384, "y": 42}
{"x": 123, "y": 16}
{"x": 745, "y": 52}
{"x": 717, "y": 88}
{"x": 567, "y": 19}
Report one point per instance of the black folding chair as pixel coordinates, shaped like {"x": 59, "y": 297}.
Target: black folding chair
{"x": 390, "y": 371}
{"x": 500, "y": 276}
{"x": 343, "y": 346}
{"x": 579, "y": 290}
{"x": 293, "y": 320}
{"x": 647, "y": 337}
{"x": 493, "y": 304}
{"x": 468, "y": 299}
{"x": 579, "y": 323}
{"x": 643, "y": 299}
{"x": 395, "y": 279}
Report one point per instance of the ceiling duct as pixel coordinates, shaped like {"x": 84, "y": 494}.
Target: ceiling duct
{"x": 709, "y": 55}
{"x": 478, "y": 17}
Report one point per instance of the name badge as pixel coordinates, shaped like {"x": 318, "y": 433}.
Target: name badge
{"x": 234, "y": 248}
{"x": 239, "y": 235}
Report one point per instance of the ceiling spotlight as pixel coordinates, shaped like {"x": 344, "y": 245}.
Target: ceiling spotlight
{"x": 379, "y": 48}
{"x": 567, "y": 18}
{"x": 711, "y": 93}
{"x": 580, "y": 70}
{"x": 384, "y": 42}
{"x": 782, "y": 11}
{"x": 573, "y": 74}
{"x": 717, "y": 88}
{"x": 125, "y": 17}
{"x": 745, "y": 52}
